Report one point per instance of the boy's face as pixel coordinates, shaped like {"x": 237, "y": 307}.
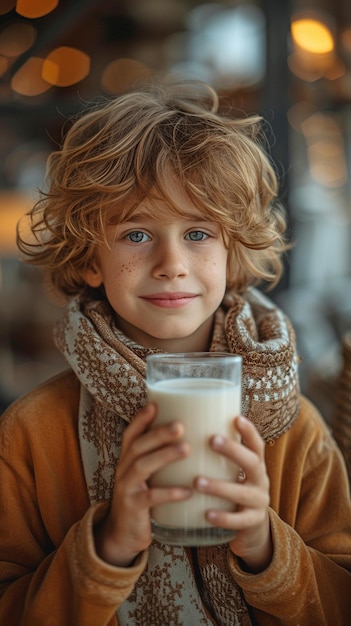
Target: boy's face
{"x": 164, "y": 277}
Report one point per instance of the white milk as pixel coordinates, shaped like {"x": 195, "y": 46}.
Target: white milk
{"x": 206, "y": 407}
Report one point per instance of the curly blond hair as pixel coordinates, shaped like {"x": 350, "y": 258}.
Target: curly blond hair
{"x": 125, "y": 148}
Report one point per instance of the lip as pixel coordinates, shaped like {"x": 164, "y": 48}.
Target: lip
{"x": 172, "y": 300}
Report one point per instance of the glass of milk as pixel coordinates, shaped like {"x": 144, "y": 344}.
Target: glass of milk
{"x": 203, "y": 391}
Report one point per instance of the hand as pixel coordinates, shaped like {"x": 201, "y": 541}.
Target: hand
{"x": 250, "y": 497}
{"x": 126, "y": 530}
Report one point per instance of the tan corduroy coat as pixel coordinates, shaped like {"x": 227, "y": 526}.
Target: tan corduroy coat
{"x": 51, "y": 576}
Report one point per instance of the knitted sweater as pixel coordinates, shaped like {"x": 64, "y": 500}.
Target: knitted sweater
{"x": 51, "y": 575}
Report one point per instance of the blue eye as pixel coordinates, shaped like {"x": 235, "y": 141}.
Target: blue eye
{"x": 137, "y": 236}
{"x": 196, "y": 235}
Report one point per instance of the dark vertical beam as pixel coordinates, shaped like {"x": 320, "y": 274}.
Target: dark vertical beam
{"x": 276, "y": 96}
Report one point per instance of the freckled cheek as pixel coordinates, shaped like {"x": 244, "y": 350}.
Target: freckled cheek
{"x": 129, "y": 268}
{"x": 214, "y": 265}
{"x": 125, "y": 269}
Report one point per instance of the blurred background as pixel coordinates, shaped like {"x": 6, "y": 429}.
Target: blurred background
{"x": 289, "y": 61}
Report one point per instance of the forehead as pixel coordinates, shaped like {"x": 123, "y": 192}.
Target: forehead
{"x": 162, "y": 202}
{"x": 161, "y": 207}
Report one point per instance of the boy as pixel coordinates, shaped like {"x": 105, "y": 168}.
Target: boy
{"x": 159, "y": 218}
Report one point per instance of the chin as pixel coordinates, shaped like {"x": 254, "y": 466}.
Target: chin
{"x": 172, "y": 336}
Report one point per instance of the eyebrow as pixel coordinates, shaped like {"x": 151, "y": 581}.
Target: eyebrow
{"x": 114, "y": 220}
{"x": 193, "y": 217}
{"x": 136, "y": 217}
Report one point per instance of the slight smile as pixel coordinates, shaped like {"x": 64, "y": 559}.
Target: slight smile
{"x": 170, "y": 300}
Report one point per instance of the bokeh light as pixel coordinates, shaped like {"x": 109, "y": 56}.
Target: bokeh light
{"x": 312, "y": 35}
{"x": 13, "y": 206}
{"x": 16, "y": 39}
{"x": 6, "y": 6}
{"x": 28, "y": 79}
{"x": 35, "y": 8}
{"x": 65, "y": 66}
{"x": 325, "y": 150}
{"x": 314, "y": 54}
{"x": 122, "y": 73}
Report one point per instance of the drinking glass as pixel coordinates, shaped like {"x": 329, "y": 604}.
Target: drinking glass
{"x": 203, "y": 391}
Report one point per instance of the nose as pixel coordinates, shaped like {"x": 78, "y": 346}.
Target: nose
{"x": 170, "y": 261}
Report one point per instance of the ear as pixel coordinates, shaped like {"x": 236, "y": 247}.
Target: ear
{"x": 93, "y": 276}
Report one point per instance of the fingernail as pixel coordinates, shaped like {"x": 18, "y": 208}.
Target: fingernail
{"x": 218, "y": 441}
{"x": 202, "y": 483}
{"x": 174, "y": 428}
{"x": 183, "y": 449}
{"x": 242, "y": 420}
{"x": 212, "y": 516}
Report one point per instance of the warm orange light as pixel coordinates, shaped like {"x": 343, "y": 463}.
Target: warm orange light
{"x": 327, "y": 164}
{"x": 35, "y": 8}
{"x": 299, "y": 113}
{"x": 65, "y": 66}
{"x": 313, "y": 55}
{"x": 304, "y": 68}
{"x": 28, "y": 80}
{"x": 312, "y": 35}
{"x": 122, "y": 73}
{"x": 336, "y": 70}
{"x": 16, "y": 39}
{"x": 325, "y": 150}
{"x": 320, "y": 124}
{"x": 13, "y": 206}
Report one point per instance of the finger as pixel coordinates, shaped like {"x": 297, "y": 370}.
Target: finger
{"x": 149, "y": 451}
{"x": 144, "y": 438}
{"x": 154, "y": 439}
{"x": 249, "y": 454}
{"x": 140, "y": 423}
{"x": 148, "y": 498}
{"x": 145, "y": 466}
{"x": 244, "y": 519}
{"x": 250, "y": 435}
{"x": 170, "y": 494}
{"x": 134, "y": 472}
{"x": 236, "y": 452}
{"x": 241, "y": 495}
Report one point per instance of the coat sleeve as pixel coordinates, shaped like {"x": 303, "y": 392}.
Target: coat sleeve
{"x": 309, "y": 579}
{"x": 49, "y": 570}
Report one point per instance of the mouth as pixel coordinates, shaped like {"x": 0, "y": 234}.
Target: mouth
{"x": 170, "y": 300}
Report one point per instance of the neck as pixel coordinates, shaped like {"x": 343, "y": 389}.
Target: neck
{"x": 199, "y": 341}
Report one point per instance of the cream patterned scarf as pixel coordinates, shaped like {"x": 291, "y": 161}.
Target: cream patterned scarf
{"x": 179, "y": 587}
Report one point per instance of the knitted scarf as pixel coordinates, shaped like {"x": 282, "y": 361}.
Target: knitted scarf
{"x": 179, "y": 586}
